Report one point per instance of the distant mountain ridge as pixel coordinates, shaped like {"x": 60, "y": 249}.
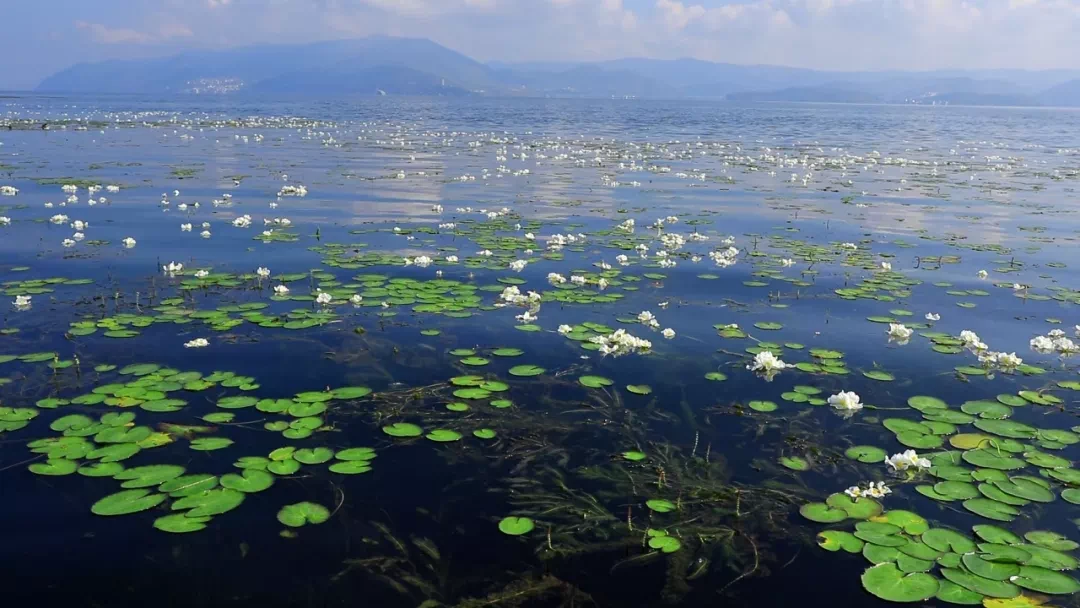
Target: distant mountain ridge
{"x": 412, "y": 66}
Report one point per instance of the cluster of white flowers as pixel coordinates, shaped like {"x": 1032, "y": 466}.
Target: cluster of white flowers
{"x": 602, "y": 283}
{"x": 485, "y": 253}
{"x": 646, "y": 318}
{"x": 787, "y": 262}
{"x": 766, "y": 363}
{"x": 197, "y": 343}
{"x": 8, "y": 190}
{"x": 620, "y": 343}
{"x": 281, "y": 290}
{"x": 899, "y": 332}
{"x": 69, "y": 188}
{"x": 846, "y": 402}
{"x": 873, "y": 490}
{"x": 725, "y": 257}
{"x": 421, "y": 261}
{"x": 68, "y": 243}
{"x": 513, "y": 296}
{"x": 128, "y": 242}
{"x": 356, "y": 299}
{"x": 447, "y": 226}
{"x": 628, "y": 225}
{"x": 526, "y": 317}
{"x": 323, "y": 298}
{"x": 262, "y": 272}
{"x": 242, "y": 222}
{"x": 437, "y": 208}
{"x": 22, "y": 302}
{"x": 185, "y": 227}
{"x": 59, "y": 218}
{"x": 277, "y": 221}
{"x": 555, "y": 278}
{"x": 697, "y": 237}
{"x": 4, "y": 220}
{"x": 930, "y": 316}
{"x": 80, "y": 225}
{"x": 907, "y": 460}
{"x": 451, "y": 259}
{"x": 518, "y": 265}
{"x": 577, "y": 279}
{"x": 202, "y": 274}
{"x": 112, "y": 188}
{"x": 622, "y": 260}
{"x": 849, "y": 246}
{"x": 1055, "y": 341}
{"x": 672, "y": 241}
{"x": 290, "y": 190}
{"x": 172, "y": 268}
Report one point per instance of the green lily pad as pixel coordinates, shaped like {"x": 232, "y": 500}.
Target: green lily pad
{"x": 660, "y": 505}
{"x": 126, "y": 502}
{"x": 887, "y": 582}
{"x": 403, "y": 429}
{"x": 443, "y": 435}
{"x": 303, "y": 513}
{"x": 866, "y": 453}
{"x": 516, "y": 526}
{"x": 595, "y": 381}
{"x": 250, "y": 480}
{"x": 180, "y": 523}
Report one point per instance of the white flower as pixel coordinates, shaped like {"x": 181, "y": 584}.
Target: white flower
{"x": 323, "y": 298}
{"x": 422, "y": 261}
{"x": 530, "y": 236}
{"x": 668, "y": 333}
{"x": 242, "y": 222}
{"x": 79, "y": 225}
{"x": 518, "y": 265}
{"x": 437, "y": 208}
{"x": 854, "y": 492}
{"x": 1056, "y": 333}
{"x": 69, "y": 188}
{"x": 982, "y": 274}
{"x": 526, "y": 317}
{"x": 877, "y": 490}
{"x": 197, "y": 343}
{"x": 447, "y": 226}
{"x": 907, "y": 460}
{"x": 969, "y": 338}
{"x": 1042, "y": 344}
{"x": 22, "y": 302}
{"x": 851, "y": 246}
{"x": 623, "y": 261}
{"x": 886, "y": 266}
{"x": 646, "y": 318}
{"x": 452, "y": 259}
{"x": 846, "y": 401}
{"x": 262, "y": 272}
{"x": 112, "y": 188}
{"x": 172, "y": 268}
{"x": 206, "y": 225}
{"x": 565, "y": 329}
{"x": 356, "y": 299}
{"x": 899, "y": 331}
{"x": 78, "y": 236}
{"x": 128, "y": 242}
{"x": 185, "y": 227}
{"x": 8, "y": 190}
{"x": 602, "y": 283}
{"x": 4, "y": 221}
{"x": 484, "y": 253}
{"x": 787, "y": 262}
{"x": 1077, "y": 330}
{"x": 620, "y": 343}
{"x": 555, "y": 278}
{"x": 577, "y": 279}
{"x": 933, "y": 317}
{"x": 201, "y": 274}
{"x": 59, "y": 218}
{"x": 1008, "y": 360}
{"x": 205, "y": 234}
{"x": 766, "y": 362}
{"x": 1065, "y": 346}
{"x": 281, "y": 290}
{"x": 1018, "y": 287}
{"x": 68, "y": 243}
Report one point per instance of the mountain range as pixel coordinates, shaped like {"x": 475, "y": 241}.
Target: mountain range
{"x": 411, "y": 66}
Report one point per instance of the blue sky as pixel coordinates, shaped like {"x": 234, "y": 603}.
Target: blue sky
{"x": 43, "y": 36}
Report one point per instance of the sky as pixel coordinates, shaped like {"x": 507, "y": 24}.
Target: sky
{"x": 44, "y": 36}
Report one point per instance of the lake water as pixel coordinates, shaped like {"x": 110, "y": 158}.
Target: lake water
{"x": 441, "y": 394}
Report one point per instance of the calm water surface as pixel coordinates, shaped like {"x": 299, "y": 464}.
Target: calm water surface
{"x": 668, "y": 476}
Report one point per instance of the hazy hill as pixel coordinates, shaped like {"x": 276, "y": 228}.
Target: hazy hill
{"x": 409, "y": 66}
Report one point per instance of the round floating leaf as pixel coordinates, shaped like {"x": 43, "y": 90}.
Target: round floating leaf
{"x": 665, "y": 544}
{"x": 237, "y": 402}
{"x": 1050, "y": 540}
{"x": 822, "y": 513}
{"x": 127, "y": 501}
{"x": 634, "y": 456}
{"x": 836, "y": 540}
{"x": 995, "y": 534}
{"x": 952, "y": 593}
{"x": 443, "y": 435}
{"x": 303, "y": 513}
{"x": 924, "y": 402}
{"x": 403, "y": 429}
{"x": 660, "y": 505}
{"x": 980, "y": 585}
{"x": 991, "y": 509}
{"x": 911, "y": 523}
{"x": 762, "y": 406}
{"x": 351, "y": 392}
{"x": 313, "y": 455}
{"x": 474, "y": 361}
{"x": 866, "y": 453}
{"x": 179, "y": 523}
{"x": 526, "y": 370}
{"x": 356, "y": 454}
{"x": 507, "y": 352}
{"x": 595, "y": 381}
{"x": 210, "y": 502}
{"x": 795, "y": 463}
{"x": 639, "y": 389}
{"x": 944, "y": 539}
{"x": 484, "y": 434}
{"x": 54, "y": 467}
{"x": 104, "y": 469}
{"x": 1044, "y": 580}
{"x": 879, "y": 375}
{"x": 994, "y": 571}
{"x": 150, "y": 475}
{"x": 887, "y": 582}
{"x": 207, "y": 444}
{"x": 516, "y": 526}
{"x": 351, "y": 467}
{"x": 716, "y": 376}
{"x": 250, "y": 480}
{"x": 187, "y": 485}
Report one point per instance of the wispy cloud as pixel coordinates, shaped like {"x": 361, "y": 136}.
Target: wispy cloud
{"x": 119, "y": 35}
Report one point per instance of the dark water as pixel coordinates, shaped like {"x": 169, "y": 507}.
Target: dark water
{"x": 937, "y": 193}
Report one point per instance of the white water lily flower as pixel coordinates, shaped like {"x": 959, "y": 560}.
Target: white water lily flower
{"x": 1008, "y": 360}
{"x": 933, "y": 317}
{"x": 530, "y": 236}
{"x": 1077, "y": 330}
{"x": 8, "y": 190}
{"x": 323, "y": 298}
{"x": 886, "y": 266}
{"x": 356, "y": 299}
{"x": 4, "y": 221}
{"x": 128, "y": 242}
{"x": 846, "y": 401}
{"x": 484, "y": 253}
{"x": 970, "y": 338}
{"x": 668, "y": 333}
{"x": 1042, "y": 344}
{"x": 422, "y": 261}
{"x": 185, "y": 227}
{"x": 766, "y": 362}
{"x": 281, "y": 290}
{"x": 68, "y": 243}
{"x": 172, "y": 268}
{"x": 982, "y": 274}
{"x": 555, "y": 278}
{"x": 899, "y": 331}
{"x": 1018, "y": 287}
{"x": 851, "y": 246}
{"x": 262, "y": 272}
{"x": 452, "y": 259}
{"x": 197, "y": 343}
{"x": 112, "y": 188}
{"x": 646, "y": 318}
{"x": 602, "y": 283}
{"x": 206, "y": 225}
{"x": 518, "y": 265}
{"x": 787, "y": 262}
{"x": 78, "y": 236}
{"x": 565, "y": 329}
{"x": 22, "y": 302}
{"x": 205, "y": 234}
{"x": 907, "y": 460}
{"x": 201, "y": 274}
{"x": 447, "y": 226}
{"x": 877, "y": 490}
{"x": 623, "y": 261}
{"x": 242, "y": 222}
{"x": 59, "y": 218}
{"x": 1066, "y": 346}
{"x": 620, "y": 343}
{"x": 1056, "y": 333}
{"x": 79, "y": 225}
{"x": 577, "y": 279}
{"x": 854, "y": 492}
{"x": 526, "y": 317}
